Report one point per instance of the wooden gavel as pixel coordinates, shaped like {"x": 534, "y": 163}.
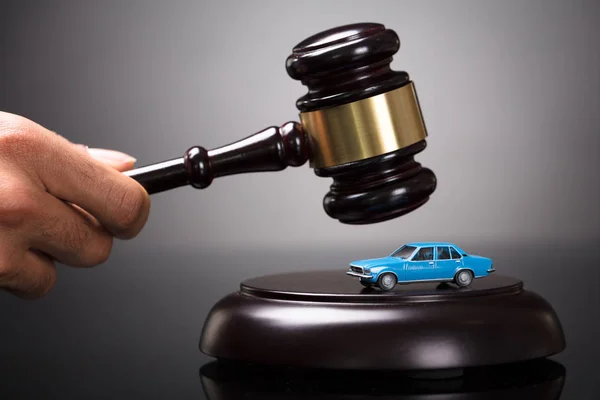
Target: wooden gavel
{"x": 361, "y": 125}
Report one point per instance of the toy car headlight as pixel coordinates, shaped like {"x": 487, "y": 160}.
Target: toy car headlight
{"x": 367, "y": 270}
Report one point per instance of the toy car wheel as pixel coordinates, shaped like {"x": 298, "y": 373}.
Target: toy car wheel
{"x": 387, "y": 281}
{"x": 365, "y": 283}
{"x": 463, "y": 278}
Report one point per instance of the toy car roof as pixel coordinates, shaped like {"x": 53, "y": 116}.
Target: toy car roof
{"x": 427, "y": 244}
{"x": 421, "y": 244}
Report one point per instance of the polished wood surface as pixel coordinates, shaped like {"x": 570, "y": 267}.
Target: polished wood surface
{"x": 271, "y": 149}
{"x": 346, "y": 64}
{"x": 336, "y": 286}
{"x": 325, "y": 319}
{"x": 341, "y": 65}
{"x": 378, "y": 189}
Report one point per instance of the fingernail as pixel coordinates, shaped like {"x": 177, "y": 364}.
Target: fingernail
{"x": 110, "y": 155}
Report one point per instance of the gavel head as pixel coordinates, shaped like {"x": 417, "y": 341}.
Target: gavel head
{"x": 363, "y": 122}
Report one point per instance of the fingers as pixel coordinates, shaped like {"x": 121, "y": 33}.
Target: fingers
{"x": 34, "y": 219}
{"x": 115, "y": 159}
{"x": 59, "y": 202}
{"x": 119, "y": 203}
{"x": 67, "y": 233}
{"x": 27, "y": 274}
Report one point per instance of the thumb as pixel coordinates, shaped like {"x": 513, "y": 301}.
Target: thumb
{"x": 116, "y": 159}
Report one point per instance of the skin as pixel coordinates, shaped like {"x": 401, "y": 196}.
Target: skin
{"x": 60, "y": 203}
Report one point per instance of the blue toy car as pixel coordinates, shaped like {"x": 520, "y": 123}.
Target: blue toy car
{"x": 422, "y": 262}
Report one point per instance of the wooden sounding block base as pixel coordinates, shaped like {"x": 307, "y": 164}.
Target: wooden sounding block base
{"x": 325, "y": 319}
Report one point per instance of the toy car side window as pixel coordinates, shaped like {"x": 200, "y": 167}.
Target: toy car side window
{"x": 443, "y": 253}
{"x": 424, "y": 254}
{"x": 455, "y": 254}
{"x": 404, "y": 252}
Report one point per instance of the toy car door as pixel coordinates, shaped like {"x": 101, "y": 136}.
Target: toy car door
{"x": 421, "y": 266}
{"x": 444, "y": 264}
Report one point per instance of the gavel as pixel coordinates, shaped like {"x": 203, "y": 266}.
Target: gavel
{"x": 360, "y": 124}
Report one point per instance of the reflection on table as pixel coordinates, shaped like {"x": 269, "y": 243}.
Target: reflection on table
{"x": 539, "y": 379}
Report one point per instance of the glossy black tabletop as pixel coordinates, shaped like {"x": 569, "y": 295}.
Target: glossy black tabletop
{"x": 130, "y": 329}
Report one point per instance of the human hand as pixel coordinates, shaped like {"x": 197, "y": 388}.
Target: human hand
{"x": 59, "y": 202}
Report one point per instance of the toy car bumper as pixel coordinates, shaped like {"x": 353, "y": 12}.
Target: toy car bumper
{"x": 359, "y": 275}
{"x": 491, "y": 270}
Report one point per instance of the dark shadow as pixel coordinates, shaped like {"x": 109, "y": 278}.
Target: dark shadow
{"x": 442, "y": 286}
{"x": 539, "y": 379}
{"x": 446, "y": 286}
{"x": 370, "y": 290}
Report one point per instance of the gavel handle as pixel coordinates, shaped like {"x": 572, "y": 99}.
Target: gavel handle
{"x": 272, "y": 149}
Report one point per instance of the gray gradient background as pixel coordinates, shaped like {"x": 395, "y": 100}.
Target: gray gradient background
{"x": 511, "y": 95}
